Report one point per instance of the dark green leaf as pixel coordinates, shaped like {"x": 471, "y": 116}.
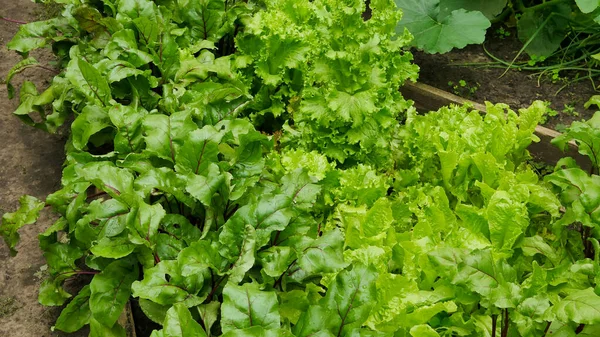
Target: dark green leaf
{"x": 92, "y": 120}
{"x": 52, "y": 293}
{"x": 258, "y": 331}
{"x": 25, "y": 64}
{"x": 110, "y": 291}
{"x": 155, "y": 287}
{"x": 153, "y": 311}
{"x": 247, "y": 306}
{"x": 113, "y": 247}
{"x": 323, "y": 255}
{"x": 87, "y": 79}
{"x": 32, "y": 36}
{"x": 581, "y": 306}
{"x": 209, "y": 314}
{"x": 97, "y": 329}
{"x": 123, "y": 46}
{"x": 179, "y": 323}
{"x": 162, "y": 132}
{"x": 199, "y": 150}
{"x": 77, "y": 313}
{"x": 544, "y": 29}
{"x": 489, "y": 8}
{"x": 437, "y": 33}
{"x": 352, "y": 296}
{"x": 128, "y": 122}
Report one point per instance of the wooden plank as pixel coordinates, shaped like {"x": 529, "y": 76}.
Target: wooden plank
{"x": 126, "y": 321}
{"x": 428, "y": 98}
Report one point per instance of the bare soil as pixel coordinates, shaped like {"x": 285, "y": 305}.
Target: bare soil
{"x": 516, "y": 88}
{"x": 30, "y": 163}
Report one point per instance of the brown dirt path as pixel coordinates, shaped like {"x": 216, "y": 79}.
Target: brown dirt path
{"x": 30, "y": 163}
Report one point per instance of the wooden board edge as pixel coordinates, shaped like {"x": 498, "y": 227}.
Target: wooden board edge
{"x": 427, "y": 98}
{"x": 126, "y": 321}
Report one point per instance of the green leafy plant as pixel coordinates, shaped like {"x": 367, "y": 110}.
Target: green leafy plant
{"x": 437, "y": 29}
{"x": 542, "y": 25}
{"x": 560, "y": 37}
{"x": 250, "y": 169}
{"x": 464, "y": 89}
{"x": 502, "y": 32}
{"x": 587, "y": 136}
{"x": 569, "y": 109}
{"x": 579, "y": 191}
{"x": 333, "y": 80}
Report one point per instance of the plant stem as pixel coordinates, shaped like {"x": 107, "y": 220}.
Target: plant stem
{"x": 535, "y": 34}
{"x": 494, "y": 323}
{"x": 278, "y": 281}
{"x": 547, "y": 328}
{"x": 13, "y": 21}
{"x": 214, "y": 288}
{"x": 87, "y": 272}
{"x": 79, "y": 272}
{"x": 587, "y": 244}
{"x": 524, "y": 66}
{"x": 505, "y": 324}
{"x": 48, "y": 69}
{"x": 276, "y": 238}
{"x": 502, "y": 16}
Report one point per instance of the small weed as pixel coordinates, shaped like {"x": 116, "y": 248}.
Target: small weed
{"x": 502, "y": 33}
{"x": 570, "y": 110}
{"x": 535, "y": 60}
{"x": 463, "y": 89}
{"x": 555, "y": 76}
{"x": 541, "y": 168}
{"x": 549, "y": 112}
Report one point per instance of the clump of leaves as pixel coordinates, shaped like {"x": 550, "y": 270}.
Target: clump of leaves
{"x": 441, "y": 25}
{"x": 464, "y": 89}
{"x": 332, "y": 77}
{"x": 579, "y": 192}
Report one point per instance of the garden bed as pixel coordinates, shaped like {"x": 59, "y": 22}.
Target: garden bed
{"x": 515, "y": 88}
{"x": 225, "y": 189}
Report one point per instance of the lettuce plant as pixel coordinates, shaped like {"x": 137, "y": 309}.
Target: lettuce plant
{"x": 332, "y": 77}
